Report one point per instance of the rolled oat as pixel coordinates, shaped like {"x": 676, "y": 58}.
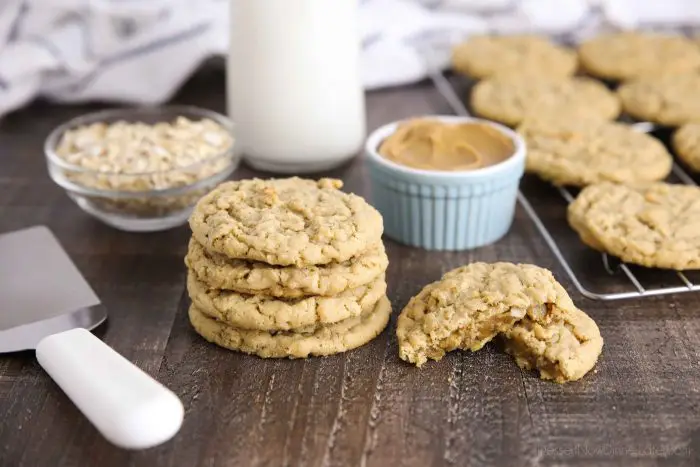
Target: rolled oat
{"x": 139, "y": 157}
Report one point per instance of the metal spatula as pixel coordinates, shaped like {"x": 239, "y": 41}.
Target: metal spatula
{"x": 46, "y": 304}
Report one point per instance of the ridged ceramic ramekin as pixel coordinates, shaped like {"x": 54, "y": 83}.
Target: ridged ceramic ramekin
{"x": 440, "y": 210}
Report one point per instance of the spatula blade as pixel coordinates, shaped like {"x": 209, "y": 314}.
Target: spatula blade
{"x": 27, "y": 336}
{"x": 42, "y": 292}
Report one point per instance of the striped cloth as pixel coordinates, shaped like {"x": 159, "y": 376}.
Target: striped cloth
{"x": 140, "y": 51}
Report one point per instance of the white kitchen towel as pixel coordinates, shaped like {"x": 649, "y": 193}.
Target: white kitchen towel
{"x": 140, "y": 51}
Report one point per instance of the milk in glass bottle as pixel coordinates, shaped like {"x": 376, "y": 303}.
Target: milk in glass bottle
{"x": 294, "y": 89}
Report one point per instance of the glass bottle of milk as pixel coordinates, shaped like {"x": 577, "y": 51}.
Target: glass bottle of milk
{"x": 294, "y": 89}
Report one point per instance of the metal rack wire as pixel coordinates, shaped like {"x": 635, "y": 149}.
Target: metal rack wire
{"x": 634, "y": 287}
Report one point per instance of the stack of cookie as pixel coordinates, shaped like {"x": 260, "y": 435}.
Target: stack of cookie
{"x": 286, "y": 268}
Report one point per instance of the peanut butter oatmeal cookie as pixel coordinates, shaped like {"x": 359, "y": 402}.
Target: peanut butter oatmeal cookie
{"x": 562, "y": 349}
{"x": 220, "y": 272}
{"x": 627, "y": 55}
{"x": 523, "y": 303}
{"x": 470, "y": 305}
{"x": 581, "y": 152}
{"x": 686, "y": 143}
{"x": 670, "y": 100}
{"x": 486, "y": 56}
{"x": 510, "y": 99}
{"x": 273, "y": 314}
{"x": 324, "y": 340}
{"x": 286, "y": 221}
{"x": 653, "y": 225}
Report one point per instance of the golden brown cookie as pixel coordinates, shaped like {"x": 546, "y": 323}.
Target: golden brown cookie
{"x": 562, "y": 349}
{"x": 470, "y": 305}
{"x": 582, "y": 151}
{"x": 653, "y": 225}
{"x": 266, "y": 313}
{"x": 686, "y": 143}
{"x": 288, "y": 221}
{"x": 323, "y": 340}
{"x": 521, "y": 55}
{"x": 220, "y": 272}
{"x": 523, "y": 303}
{"x": 626, "y": 55}
{"x": 510, "y": 100}
{"x": 670, "y": 100}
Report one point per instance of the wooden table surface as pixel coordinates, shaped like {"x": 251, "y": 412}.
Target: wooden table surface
{"x": 365, "y": 407}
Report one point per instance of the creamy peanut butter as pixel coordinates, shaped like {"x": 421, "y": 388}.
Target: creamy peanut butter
{"x": 430, "y": 144}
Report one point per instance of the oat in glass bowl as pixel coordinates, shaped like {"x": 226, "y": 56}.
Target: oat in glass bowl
{"x": 142, "y": 169}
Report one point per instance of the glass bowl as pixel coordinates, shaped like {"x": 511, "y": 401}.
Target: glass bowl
{"x": 141, "y": 201}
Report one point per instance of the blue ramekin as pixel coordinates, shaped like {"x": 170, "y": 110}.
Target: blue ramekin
{"x": 441, "y": 210}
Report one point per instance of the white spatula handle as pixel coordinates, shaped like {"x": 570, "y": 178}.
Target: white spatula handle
{"x": 131, "y": 409}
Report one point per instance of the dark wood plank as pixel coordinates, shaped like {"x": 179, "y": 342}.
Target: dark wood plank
{"x": 365, "y": 407}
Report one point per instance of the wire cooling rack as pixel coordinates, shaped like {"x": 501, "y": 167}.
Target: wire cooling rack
{"x": 596, "y": 276}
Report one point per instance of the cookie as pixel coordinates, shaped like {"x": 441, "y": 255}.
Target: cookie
{"x": 220, "y": 272}
{"x": 470, "y": 305}
{"x": 510, "y": 99}
{"x": 670, "y": 100}
{"x": 266, "y": 313}
{"x": 285, "y": 222}
{"x": 686, "y": 143}
{"x": 653, "y": 225}
{"x": 486, "y": 56}
{"x": 581, "y": 152}
{"x": 562, "y": 349}
{"x": 578, "y": 224}
{"x": 325, "y": 340}
{"x": 627, "y": 55}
